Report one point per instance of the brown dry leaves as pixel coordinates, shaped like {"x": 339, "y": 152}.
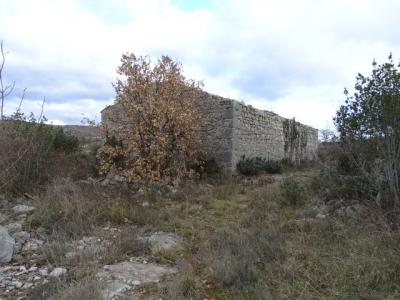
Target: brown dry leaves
{"x": 162, "y": 136}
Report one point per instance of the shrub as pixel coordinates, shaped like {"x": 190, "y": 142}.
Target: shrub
{"x": 369, "y": 127}
{"x": 334, "y": 182}
{"x": 232, "y": 261}
{"x": 161, "y": 132}
{"x": 292, "y": 191}
{"x": 207, "y": 167}
{"x": 183, "y": 286}
{"x": 273, "y": 166}
{"x": 32, "y": 152}
{"x": 110, "y": 156}
{"x": 257, "y": 165}
{"x": 64, "y": 141}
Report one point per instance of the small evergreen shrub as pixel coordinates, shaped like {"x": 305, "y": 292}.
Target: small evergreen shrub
{"x": 256, "y": 165}
{"x": 64, "y": 141}
{"x": 273, "y": 166}
{"x": 292, "y": 191}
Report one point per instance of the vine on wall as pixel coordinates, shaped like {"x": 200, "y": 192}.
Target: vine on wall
{"x": 295, "y": 140}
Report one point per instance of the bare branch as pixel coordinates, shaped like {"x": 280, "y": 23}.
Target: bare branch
{"x": 41, "y": 110}
{"x": 9, "y": 89}
{"x": 3, "y": 60}
{"x": 21, "y": 100}
{"x": 5, "y": 91}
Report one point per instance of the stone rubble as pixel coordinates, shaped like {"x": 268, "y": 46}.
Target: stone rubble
{"x": 161, "y": 241}
{"x": 22, "y": 267}
{"x": 13, "y": 227}
{"x": 57, "y": 272}
{"x": 17, "y": 278}
{"x": 22, "y": 209}
{"x": 339, "y": 209}
{"x": 125, "y": 276}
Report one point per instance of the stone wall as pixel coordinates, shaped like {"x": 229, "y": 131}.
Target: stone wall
{"x": 216, "y": 131}
{"x": 113, "y": 118}
{"x": 256, "y": 133}
{"x": 300, "y": 141}
{"x": 232, "y": 129}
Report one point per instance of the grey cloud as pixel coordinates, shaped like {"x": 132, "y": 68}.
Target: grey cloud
{"x": 61, "y": 85}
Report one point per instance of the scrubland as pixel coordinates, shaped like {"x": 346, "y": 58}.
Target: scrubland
{"x": 269, "y": 236}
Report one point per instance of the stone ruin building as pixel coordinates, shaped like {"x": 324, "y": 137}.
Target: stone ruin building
{"x": 233, "y": 130}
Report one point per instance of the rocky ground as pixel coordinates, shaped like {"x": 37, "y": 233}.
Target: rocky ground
{"x": 238, "y": 238}
{"x": 23, "y": 266}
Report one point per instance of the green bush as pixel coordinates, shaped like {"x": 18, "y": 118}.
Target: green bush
{"x": 256, "y": 165}
{"x": 292, "y": 191}
{"x": 369, "y": 127}
{"x": 334, "y": 182}
{"x": 273, "y": 166}
{"x": 63, "y": 141}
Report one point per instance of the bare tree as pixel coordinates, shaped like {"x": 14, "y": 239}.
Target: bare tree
{"x": 5, "y": 89}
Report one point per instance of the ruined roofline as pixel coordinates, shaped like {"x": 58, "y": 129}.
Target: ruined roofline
{"x": 238, "y": 102}
{"x": 108, "y": 107}
{"x": 249, "y": 106}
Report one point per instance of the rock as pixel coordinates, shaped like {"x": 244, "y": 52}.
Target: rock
{"x": 320, "y": 216}
{"x": 22, "y": 269}
{"x": 22, "y": 209}
{"x": 160, "y": 241}
{"x": 13, "y": 227}
{"x": 3, "y": 218}
{"x": 21, "y": 218}
{"x": 124, "y": 276}
{"x": 119, "y": 178}
{"x": 324, "y": 209}
{"x": 33, "y": 269}
{"x": 32, "y": 245}
{"x": 18, "y": 284}
{"x": 71, "y": 255}
{"x": 43, "y": 272}
{"x": 105, "y": 182}
{"x": 20, "y": 238}
{"x": 6, "y": 245}
{"x": 58, "y": 272}
{"x": 27, "y": 285}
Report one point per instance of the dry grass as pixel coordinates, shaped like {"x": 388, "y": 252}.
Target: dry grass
{"x": 242, "y": 240}
{"x": 60, "y": 289}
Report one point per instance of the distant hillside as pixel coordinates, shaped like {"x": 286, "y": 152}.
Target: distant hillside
{"x": 84, "y": 132}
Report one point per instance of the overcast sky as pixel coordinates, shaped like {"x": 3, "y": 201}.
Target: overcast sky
{"x": 292, "y": 57}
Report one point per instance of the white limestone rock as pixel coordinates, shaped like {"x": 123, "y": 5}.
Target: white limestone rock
{"x": 22, "y": 209}
{"x": 162, "y": 241}
{"x": 6, "y": 245}
{"x": 57, "y": 272}
{"x": 125, "y": 276}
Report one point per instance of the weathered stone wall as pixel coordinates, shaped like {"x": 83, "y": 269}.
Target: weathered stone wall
{"x": 256, "y": 133}
{"x": 301, "y": 141}
{"x": 216, "y": 131}
{"x": 113, "y": 118}
{"x": 232, "y": 129}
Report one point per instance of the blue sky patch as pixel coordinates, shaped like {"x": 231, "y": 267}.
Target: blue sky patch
{"x": 190, "y": 5}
